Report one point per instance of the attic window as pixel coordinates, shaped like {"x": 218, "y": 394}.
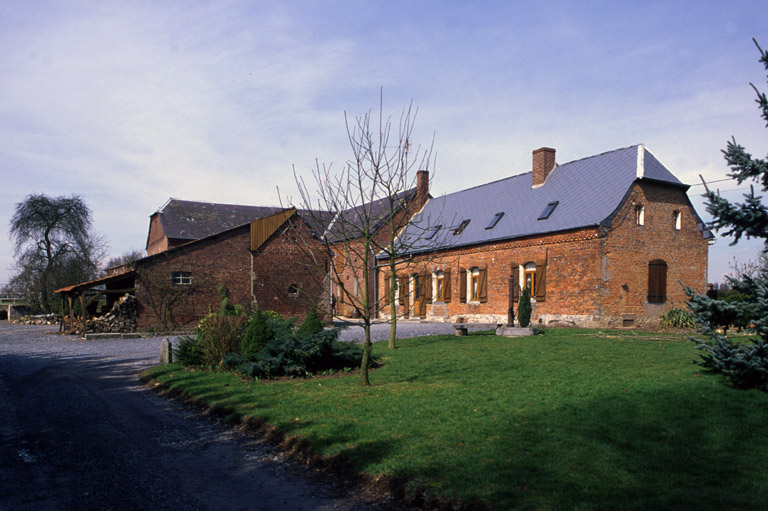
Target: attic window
{"x": 639, "y": 214}
{"x": 434, "y": 232}
{"x": 548, "y": 210}
{"x": 461, "y": 227}
{"x": 495, "y": 220}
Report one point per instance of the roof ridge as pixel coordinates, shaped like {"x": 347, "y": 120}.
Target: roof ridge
{"x": 558, "y": 165}
{"x": 173, "y": 199}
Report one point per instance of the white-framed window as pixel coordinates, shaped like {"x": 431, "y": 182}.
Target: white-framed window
{"x": 529, "y": 277}
{"x": 439, "y": 291}
{"x": 639, "y": 215}
{"x": 181, "y": 278}
{"x": 678, "y": 218}
{"x": 474, "y": 284}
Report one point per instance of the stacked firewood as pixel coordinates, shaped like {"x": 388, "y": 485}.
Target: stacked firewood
{"x": 121, "y": 318}
{"x": 40, "y": 319}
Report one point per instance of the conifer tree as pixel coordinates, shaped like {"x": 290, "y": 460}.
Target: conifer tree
{"x": 524, "y": 309}
{"x": 743, "y": 364}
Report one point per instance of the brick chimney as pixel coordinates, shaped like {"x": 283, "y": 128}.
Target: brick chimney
{"x": 422, "y": 187}
{"x": 543, "y": 165}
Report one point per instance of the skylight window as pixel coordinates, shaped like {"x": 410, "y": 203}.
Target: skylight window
{"x": 495, "y": 220}
{"x": 463, "y": 225}
{"x": 548, "y": 210}
{"x": 434, "y": 232}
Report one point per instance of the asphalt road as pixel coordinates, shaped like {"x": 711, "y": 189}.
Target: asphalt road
{"x": 78, "y": 431}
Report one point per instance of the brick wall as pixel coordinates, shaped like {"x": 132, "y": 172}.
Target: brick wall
{"x": 593, "y": 276}
{"x": 350, "y": 263}
{"x": 156, "y": 240}
{"x": 226, "y": 259}
{"x": 289, "y": 272}
{"x": 221, "y": 259}
{"x": 630, "y": 247}
{"x": 572, "y": 276}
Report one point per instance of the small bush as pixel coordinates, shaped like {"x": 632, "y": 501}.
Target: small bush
{"x": 188, "y": 351}
{"x": 295, "y": 355}
{"x": 312, "y": 324}
{"x": 258, "y": 333}
{"x": 232, "y": 361}
{"x": 220, "y": 335}
{"x": 677, "y": 317}
{"x": 524, "y": 308}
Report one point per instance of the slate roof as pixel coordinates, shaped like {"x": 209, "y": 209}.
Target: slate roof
{"x": 588, "y": 192}
{"x": 349, "y": 223}
{"x": 192, "y": 220}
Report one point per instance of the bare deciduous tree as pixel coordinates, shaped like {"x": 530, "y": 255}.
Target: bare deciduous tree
{"x": 372, "y": 197}
{"x": 128, "y": 257}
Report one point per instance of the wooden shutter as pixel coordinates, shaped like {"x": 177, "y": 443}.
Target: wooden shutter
{"x": 427, "y": 294}
{"x": 541, "y": 281}
{"x": 482, "y": 284}
{"x": 514, "y": 282}
{"x": 403, "y": 292}
{"x": 657, "y": 281}
{"x": 447, "y": 285}
{"x": 387, "y": 289}
{"x": 463, "y": 285}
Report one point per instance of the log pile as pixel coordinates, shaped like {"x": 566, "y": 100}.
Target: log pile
{"x": 121, "y": 318}
{"x": 40, "y": 319}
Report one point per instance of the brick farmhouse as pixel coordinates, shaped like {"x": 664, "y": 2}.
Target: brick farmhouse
{"x": 606, "y": 240}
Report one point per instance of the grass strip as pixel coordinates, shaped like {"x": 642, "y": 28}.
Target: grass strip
{"x": 572, "y": 419}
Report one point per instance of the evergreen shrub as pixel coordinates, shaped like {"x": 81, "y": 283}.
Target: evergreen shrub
{"x": 312, "y": 324}
{"x": 188, "y": 351}
{"x": 258, "y": 333}
{"x": 524, "y": 308}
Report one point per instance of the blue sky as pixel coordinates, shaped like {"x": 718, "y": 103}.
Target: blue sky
{"x": 130, "y": 103}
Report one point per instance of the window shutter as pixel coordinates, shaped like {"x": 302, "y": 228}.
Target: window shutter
{"x": 482, "y": 294}
{"x": 387, "y": 288}
{"x": 403, "y": 292}
{"x": 514, "y": 282}
{"x": 463, "y": 285}
{"x": 428, "y": 287}
{"x": 657, "y": 281}
{"x": 541, "y": 281}
{"x": 447, "y": 285}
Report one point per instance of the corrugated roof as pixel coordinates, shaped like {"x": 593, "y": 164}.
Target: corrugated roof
{"x": 587, "y": 193}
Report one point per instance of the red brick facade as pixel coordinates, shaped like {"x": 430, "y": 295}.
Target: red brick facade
{"x": 276, "y": 277}
{"x": 591, "y": 276}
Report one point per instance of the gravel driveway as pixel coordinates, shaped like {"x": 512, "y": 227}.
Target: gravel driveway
{"x": 78, "y": 431}
{"x": 405, "y": 329}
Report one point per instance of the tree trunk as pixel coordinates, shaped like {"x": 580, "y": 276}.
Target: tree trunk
{"x": 392, "y": 308}
{"x": 367, "y": 347}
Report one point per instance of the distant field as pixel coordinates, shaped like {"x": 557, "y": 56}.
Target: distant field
{"x": 572, "y": 419}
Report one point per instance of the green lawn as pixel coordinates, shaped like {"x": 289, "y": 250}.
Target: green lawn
{"x": 572, "y": 419}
